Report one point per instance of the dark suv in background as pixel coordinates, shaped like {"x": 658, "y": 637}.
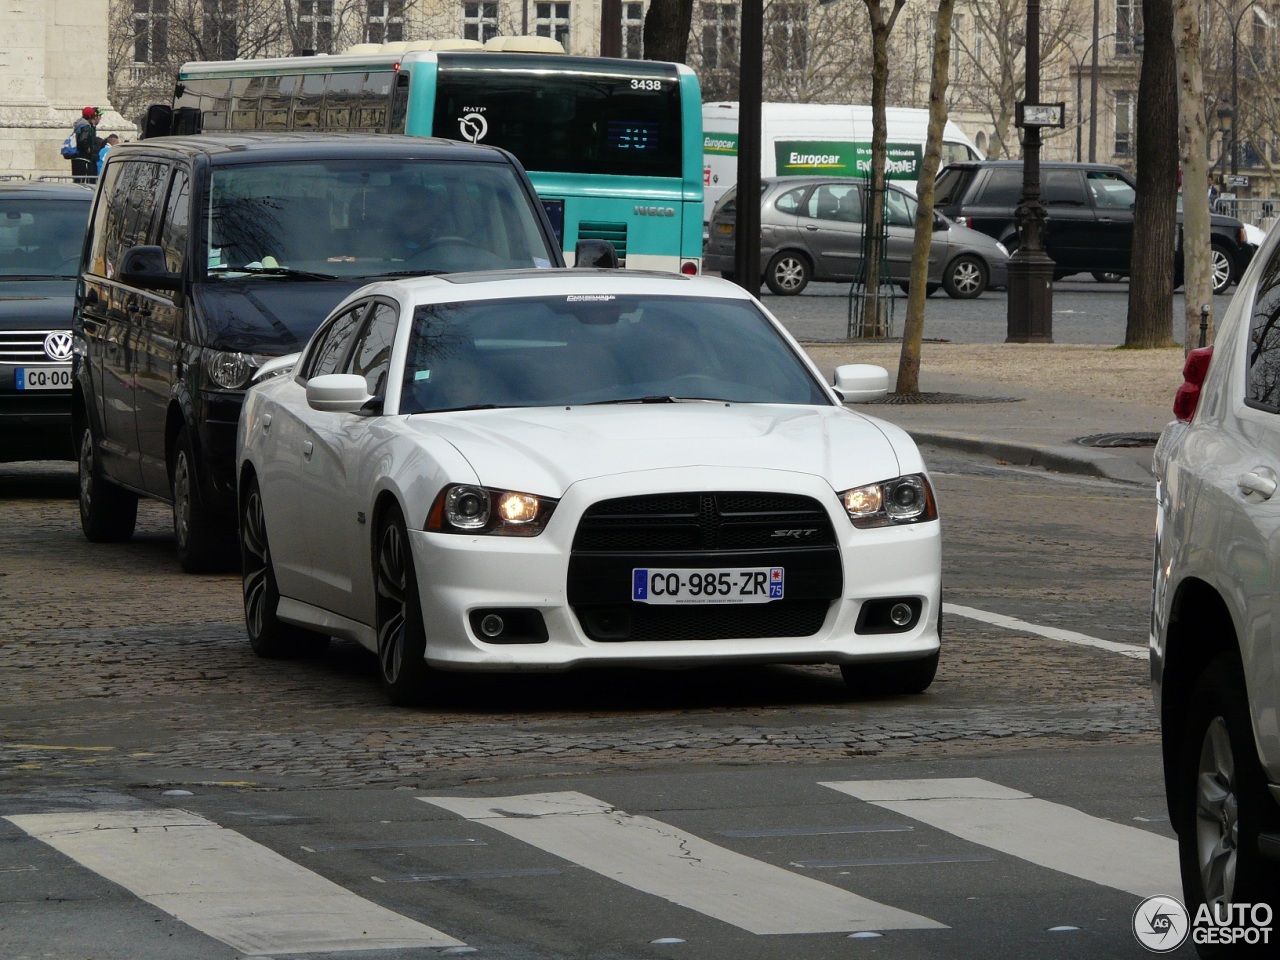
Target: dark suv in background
{"x": 1090, "y": 217}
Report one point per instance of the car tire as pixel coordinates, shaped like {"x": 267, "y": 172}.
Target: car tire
{"x": 205, "y": 543}
{"x": 1106, "y": 276}
{"x": 1221, "y": 799}
{"x": 891, "y": 677}
{"x": 965, "y": 277}
{"x": 268, "y": 635}
{"x": 108, "y": 513}
{"x": 929, "y": 289}
{"x": 1221, "y": 268}
{"x": 402, "y": 641}
{"x": 788, "y": 273}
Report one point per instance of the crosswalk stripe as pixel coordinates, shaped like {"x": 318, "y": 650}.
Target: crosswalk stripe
{"x": 659, "y": 859}
{"x": 1049, "y": 834}
{"x": 225, "y": 885}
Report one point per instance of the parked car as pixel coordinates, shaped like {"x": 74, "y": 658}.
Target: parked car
{"x": 1089, "y": 225}
{"x": 546, "y": 470}
{"x": 41, "y": 231}
{"x": 1215, "y": 644}
{"x": 209, "y": 255}
{"x": 812, "y": 228}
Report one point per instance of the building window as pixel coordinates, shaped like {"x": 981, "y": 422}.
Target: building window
{"x": 552, "y": 20}
{"x": 788, "y": 35}
{"x": 1124, "y": 124}
{"x": 633, "y": 31}
{"x": 1128, "y": 25}
{"x": 315, "y": 26}
{"x": 150, "y": 31}
{"x": 720, "y": 36}
{"x": 218, "y": 32}
{"x": 385, "y": 21}
{"x": 479, "y": 21}
{"x": 957, "y": 48}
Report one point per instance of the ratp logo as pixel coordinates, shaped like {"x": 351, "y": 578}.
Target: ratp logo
{"x": 1161, "y": 924}
{"x": 473, "y": 127}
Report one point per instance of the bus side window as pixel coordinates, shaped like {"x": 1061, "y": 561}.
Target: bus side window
{"x": 399, "y": 109}
{"x": 342, "y": 94}
{"x": 277, "y": 95}
{"x": 307, "y": 103}
{"x": 245, "y": 92}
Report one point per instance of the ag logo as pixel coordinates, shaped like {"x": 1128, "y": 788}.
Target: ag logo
{"x": 1161, "y": 924}
{"x": 57, "y": 345}
{"x": 473, "y": 127}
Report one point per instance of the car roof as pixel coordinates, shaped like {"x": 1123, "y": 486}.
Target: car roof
{"x": 1044, "y": 165}
{"x": 46, "y": 190}
{"x": 253, "y": 147}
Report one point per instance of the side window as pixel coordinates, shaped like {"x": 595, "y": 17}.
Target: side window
{"x": 1063, "y": 187}
{"x": 831, "y": 201}
{"x": 371, "y": 357}
{"x": 1110, "y": 192}
{"x": 129, "y": 200}
{"x": 175, "y": 226}
{"x": 1263, "y": 387}
{"x": 1004, "y": 187}
{"x": 900, "y": 210}
{"x": 333, "y": 343}
{"x": 106, "y": 219}
{"x": 790, "y": 201}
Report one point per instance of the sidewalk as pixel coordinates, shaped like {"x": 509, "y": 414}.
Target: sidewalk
{"x": 1030, "y": 404}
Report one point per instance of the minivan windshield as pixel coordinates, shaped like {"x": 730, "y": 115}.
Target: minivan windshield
{"x": 365, "y": 218}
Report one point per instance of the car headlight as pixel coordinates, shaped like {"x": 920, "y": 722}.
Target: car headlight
{"x": 467, "y": 508}
{"x": 902, "y": 500}
{"x": 231, "y": 371}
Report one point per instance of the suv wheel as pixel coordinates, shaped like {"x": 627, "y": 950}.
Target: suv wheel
{"x": 205, "y": 543}
{"x": 1222, "y": 800}
{"x": 787, "y": 273}
{"x": 965, "y": 278}
{"x": 108, "y": 513}
{"x": 1220, "y": 268}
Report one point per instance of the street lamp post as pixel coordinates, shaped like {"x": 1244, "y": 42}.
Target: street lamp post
{"x": 1093, "y": 97}
{"x": 1235, "y": 22}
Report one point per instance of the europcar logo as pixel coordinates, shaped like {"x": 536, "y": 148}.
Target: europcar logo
{"x": 1161, "y": 924}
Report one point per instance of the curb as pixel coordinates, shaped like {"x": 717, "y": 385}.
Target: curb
{"x": 1059, "y": 458}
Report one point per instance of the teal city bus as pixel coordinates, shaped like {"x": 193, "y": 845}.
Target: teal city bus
{"x": 613, "y": 146}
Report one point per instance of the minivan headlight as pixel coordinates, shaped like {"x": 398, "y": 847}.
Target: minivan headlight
{"x": 229, "y": 370}
{"x": 906, "y": 499}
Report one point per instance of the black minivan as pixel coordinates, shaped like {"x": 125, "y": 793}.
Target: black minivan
{"x": 208, "y": 256}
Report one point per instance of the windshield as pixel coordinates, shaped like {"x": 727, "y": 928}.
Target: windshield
{"x": 368, "y": 218}
{"x": 42, "y": 238}
{"x": 582, "y": 349}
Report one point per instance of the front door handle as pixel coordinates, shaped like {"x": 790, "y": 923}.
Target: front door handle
{"x": 1259, "y": 482}
{"x": 307, "y": 449}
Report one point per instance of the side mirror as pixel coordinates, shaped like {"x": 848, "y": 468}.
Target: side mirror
{"x": 145, "y": 267}
{"x": 595, "y": 253}
{"x": 158, "y": 122}
{"x": 861, "y": 382}
{"x": 337, "y": 393}
{"x": 940, "y": 222}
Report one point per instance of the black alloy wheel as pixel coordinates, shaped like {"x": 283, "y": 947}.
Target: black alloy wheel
{"x": 205, "y": 542}
{"x": 402, "y": 642}
{"x": 108, "y": 513}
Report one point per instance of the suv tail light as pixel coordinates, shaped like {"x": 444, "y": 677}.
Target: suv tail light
{"x": 1194, "y": 370}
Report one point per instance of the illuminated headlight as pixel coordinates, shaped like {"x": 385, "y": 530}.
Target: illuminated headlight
{"x": 903, "y": 500}
{"x": 231, "y": 371}
{"x": 465, "y": 508}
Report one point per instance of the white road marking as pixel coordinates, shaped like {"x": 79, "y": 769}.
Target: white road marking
{"x": 225, "y": 885}
{"x": 658, "y": 859}
{"x": 1049, "y": 834}
{"x": 1052, "y": 633}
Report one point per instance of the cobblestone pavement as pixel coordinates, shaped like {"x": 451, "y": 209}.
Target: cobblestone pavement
{"x": 116, "y": 667}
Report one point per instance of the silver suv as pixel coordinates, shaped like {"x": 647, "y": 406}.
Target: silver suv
{"x": 1215, "y": 644}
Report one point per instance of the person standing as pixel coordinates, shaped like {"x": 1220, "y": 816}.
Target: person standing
{"x": 107, "y": 144}
{"x": 88, "y": 143}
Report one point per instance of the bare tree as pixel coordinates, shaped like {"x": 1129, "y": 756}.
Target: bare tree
{"x": 1150, "y": 322}
{"x": 815, "y": 53}
{"x": 913, "y": 329}
{"x": 666, "y": 29}
{"x": 1198, "y": 285}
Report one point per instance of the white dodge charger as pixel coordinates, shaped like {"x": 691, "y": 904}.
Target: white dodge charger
{"x": 540, "y": 470}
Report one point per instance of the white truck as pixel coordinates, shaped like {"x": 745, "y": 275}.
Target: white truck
{"x": 821, "y": 138}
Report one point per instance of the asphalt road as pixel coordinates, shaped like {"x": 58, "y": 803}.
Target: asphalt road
{"x": 268, "y": 808}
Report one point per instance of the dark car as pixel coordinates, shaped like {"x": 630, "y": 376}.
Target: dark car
{"x": 812, "y": 228}
{"x": 1089, "y": 228}
{"x": 41, "y": 232}
{"x": 208, "y": 256}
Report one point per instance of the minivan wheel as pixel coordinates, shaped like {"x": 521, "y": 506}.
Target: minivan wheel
{"x": 965, "y": 278}
{"x": 1220, "y": 268}
{"x": 205, "y": 543}
{"x": 787, "y": 273}
{"x": 1222, "y": 804}
{"x": 402, "y": 640}
{"x": 108, "y": 513}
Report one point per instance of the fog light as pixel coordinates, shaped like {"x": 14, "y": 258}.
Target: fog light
{"x": 900, "y": 614}
{"x": 492, "y": 625}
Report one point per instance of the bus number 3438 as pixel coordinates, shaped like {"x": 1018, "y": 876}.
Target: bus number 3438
{"x": 646, "y": 84}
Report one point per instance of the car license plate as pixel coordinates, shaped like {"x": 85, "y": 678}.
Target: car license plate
{"x": 668, "y": 585}
{"x": 43, "y": 378}
{"x": 725, "y": 228}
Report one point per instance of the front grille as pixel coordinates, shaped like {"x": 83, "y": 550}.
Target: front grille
{"x": 615, "y": 233}
{"x": 709, "y": 530}
{"x": 23, "y": 346}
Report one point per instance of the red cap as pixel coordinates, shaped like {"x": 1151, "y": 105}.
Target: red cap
{"x": 90, "y": 112}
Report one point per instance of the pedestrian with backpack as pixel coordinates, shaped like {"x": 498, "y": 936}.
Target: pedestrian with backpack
{"x": 82, "y": 146}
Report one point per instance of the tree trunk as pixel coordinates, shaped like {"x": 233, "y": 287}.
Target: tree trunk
{"x": 1150, "y": 321}
{"x": 1198, "y": 284}
{"x": 666, "y": 30}
{"x": 913, "y": 329}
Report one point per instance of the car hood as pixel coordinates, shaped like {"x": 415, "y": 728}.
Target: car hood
{"x": 266, "y": 314}
{"x": 45, "y": 304}
{"x": 961, "y": 236}
{"x": 546, "y": 449}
